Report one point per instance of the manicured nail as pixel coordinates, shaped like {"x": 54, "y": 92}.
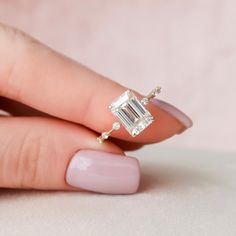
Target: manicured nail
{"x": 175, "y": 112}
{"x": 103, "y": 172}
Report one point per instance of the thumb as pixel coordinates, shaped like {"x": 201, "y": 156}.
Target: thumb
{"x": 45, "y": 153}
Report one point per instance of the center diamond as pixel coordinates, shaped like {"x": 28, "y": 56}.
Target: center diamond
{"x": 131, "y": 113}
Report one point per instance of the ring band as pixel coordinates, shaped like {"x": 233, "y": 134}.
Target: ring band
{"x": 131, "y": 113}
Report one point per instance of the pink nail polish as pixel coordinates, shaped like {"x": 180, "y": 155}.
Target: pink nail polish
{"x": 103, "y": 172}
{"x": 175, "y": 112}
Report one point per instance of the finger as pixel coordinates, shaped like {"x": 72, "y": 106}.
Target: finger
{"x": 43, "y": 153}
{"x": 127, "y": 146}
{"x": 19, "y": 109}
{"x": 41, "y": 78}
{"x": 14, "y": 108}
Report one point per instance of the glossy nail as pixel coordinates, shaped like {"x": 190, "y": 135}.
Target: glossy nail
{"x": 103, "y": 172}
{"x": 175, "y": 112}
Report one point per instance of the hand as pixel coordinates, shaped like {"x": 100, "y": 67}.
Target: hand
{"x": 50, "y": 141}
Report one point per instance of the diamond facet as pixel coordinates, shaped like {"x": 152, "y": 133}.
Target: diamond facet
{"x": 131, "y": 113}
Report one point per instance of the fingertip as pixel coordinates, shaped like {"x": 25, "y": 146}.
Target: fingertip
{"x": 103, "y": 172}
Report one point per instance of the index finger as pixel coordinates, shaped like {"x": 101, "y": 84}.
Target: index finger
{"x": 50, "y": 82}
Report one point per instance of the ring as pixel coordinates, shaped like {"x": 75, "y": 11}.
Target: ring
{"x": 131, "y": 113}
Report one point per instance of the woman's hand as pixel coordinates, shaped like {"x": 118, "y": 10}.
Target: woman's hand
{"x": 50, "y": 141}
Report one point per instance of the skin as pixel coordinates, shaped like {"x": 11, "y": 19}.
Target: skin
{"x": 57, "y": 107}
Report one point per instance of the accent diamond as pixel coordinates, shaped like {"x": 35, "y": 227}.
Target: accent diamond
{"x": 105, "y": 135}
{"x": 116, "y": 126}
{"x": 145, "y": 101}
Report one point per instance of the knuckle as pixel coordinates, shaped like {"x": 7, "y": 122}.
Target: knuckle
{"x": 26, "y": 159}
{"x": 19, "y": 162}
{"x": 28, "y": 163}
{"x": 23, "y": 169}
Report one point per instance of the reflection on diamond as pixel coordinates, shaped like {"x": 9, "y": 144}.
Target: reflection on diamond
{"x": 131, "y": 113}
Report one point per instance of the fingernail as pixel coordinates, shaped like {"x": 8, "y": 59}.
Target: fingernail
{"x": 175, "y": 112}
{"x": 103, "y": 172}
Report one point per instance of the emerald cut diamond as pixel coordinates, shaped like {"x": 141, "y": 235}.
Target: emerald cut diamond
{"x": 131, "y": 113}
